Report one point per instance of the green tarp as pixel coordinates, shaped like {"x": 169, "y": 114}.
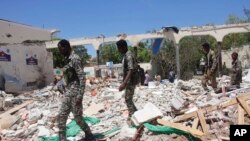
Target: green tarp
{"x": 168, "y": 130}
{"x": 73, "y": 129}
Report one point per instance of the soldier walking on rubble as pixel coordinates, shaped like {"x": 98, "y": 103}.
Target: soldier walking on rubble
{"x": 75, "y": 84}
{"x": 236, "y": 71}
{"x": 129, "y": 67}
{"x": 211, "y": 64}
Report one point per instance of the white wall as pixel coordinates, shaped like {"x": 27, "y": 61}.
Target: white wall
{"x": 20, "y": 32}
{"x": 17, "y": 73}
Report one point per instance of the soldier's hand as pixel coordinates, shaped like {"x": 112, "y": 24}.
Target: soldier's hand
{"x": 56, "y": 79}
{"x": 205, "y": 75}
{"x": 122, "y": 86}
{"x": 209, "y": 73}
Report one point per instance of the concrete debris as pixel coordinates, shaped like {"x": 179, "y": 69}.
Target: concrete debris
{"x": 94, "y": 109}
{"x": 34, "y": 115}
{"x": 1, "y": 103}
{"x": 7, "y": 121}
{"x": 148, "y": 113}
{"x": 127, "y": 133}
{"x": 43, "y": 132}
{"x": 103, "y": 100}
{"x": 247, "y": 77}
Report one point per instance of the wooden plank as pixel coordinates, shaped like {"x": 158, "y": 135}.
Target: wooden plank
{"x": 195, "y": 123}
{"x": 192, "y": 131}
{"x": 186, "y": 116}
{"x": 13, "y": 110}
{"x": 202, "y": 121}
{"x": 224, "y": 138}
{"x": 240, "y": 114}
{"x": 244, "y": 105}
{"x": 213, "y": 108}
{"x": 138, "y": 133}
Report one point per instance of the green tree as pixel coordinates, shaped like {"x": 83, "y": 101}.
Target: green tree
{"x": 82, "y": 52}
{"x": 166, "y": 58}
{"x": 232, "y": 19}
{"x": 247, "y": 13}
{"x": 109, "y": 52}
{"x": 58, "y": 58}
{"x": 143, "y": 52}
{"x": 191, "y": 53}
{"x": 236, "y": 39}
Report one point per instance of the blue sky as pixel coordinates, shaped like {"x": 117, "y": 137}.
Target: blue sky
{"x": 90, "y": 18}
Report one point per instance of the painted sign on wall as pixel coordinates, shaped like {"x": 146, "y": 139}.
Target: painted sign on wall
{"x": 5, "y": 55}
{"x": 31, "y": 59}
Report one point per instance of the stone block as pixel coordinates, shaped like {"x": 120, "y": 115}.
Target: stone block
{"x": 149, "y": 112}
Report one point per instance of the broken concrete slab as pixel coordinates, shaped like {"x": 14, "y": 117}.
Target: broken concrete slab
{"x": 7, "y": 121}
{"x": 127, "y": 133}
{"x": 107, "y": 95}
{"x": 93, "y": 109}
{"x": 8, "y": 102}
{"x": 43, "y": 131}
{"x": 149, "y": 112}
{"x": 248, "y": 76}
{"x": 19, "y": 133}
{"x": 151, "y": 85}
{"x": 177, "y": 102}
{"x": 34, "y": 115}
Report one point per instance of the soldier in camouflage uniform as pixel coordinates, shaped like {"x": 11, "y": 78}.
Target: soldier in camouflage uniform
{"x": 129, "y": 67}
{"x": 211, "y": 64}
{"x": 75, "y": 84}
{"x": 236, "y": 71}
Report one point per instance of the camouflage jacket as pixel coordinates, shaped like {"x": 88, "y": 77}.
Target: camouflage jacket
{"x": 236, "y": 72}
{"x": 129, "y": 63}
{"x": 211, "y": 61}
{"x": 73, "y": 71}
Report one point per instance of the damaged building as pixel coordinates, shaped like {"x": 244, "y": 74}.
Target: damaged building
{"x": 178, "y": 111}
{"x": 24, "y": 62}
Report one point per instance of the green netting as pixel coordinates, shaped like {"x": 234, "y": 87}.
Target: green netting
{"x": 73, "y": 129}
{"x": 49, "y": 139}
{"x": 102, "y": 135}
{"x": 168, "y": 130}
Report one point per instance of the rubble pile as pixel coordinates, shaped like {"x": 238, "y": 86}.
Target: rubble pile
{"x": 102, "y": 100}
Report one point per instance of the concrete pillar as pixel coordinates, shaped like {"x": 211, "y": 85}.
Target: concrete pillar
{"x": 219, "y": 59}
{"x": 98, "y": 57}
{"x": 178, "y": 61}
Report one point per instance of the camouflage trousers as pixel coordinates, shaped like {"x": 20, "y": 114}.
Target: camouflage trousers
{"x": 72, "y": 102}
{"x": 205, "y": 80}
{"x": 235, "y": 79}
{"x": 129, "y": 93}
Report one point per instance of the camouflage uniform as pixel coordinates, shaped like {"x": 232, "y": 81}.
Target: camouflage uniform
{"x": 210, "y": 71}
{"x": 129, "y": 63}
{"x": 72, "y": 101}
{"x": 236, "y": 73}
